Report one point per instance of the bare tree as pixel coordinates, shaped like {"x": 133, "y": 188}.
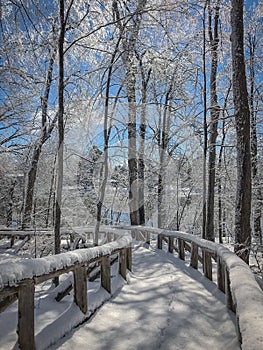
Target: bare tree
{"x": 130, "y": 31}
{"x": 57, "y": 216}
{"x": 145, "y": 76}
{"x": 253, "y": 43}
{"x": 45, "y": 133}
{"x": 204, "y": 123}
{"x": 106, "y": 135}
{"x": 242, "y": 119}
{"x": 213, "y": 24}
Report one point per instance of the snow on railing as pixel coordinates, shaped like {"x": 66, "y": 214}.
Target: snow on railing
{"x": 18, "y": 279}
{"x": 234, "y": 278}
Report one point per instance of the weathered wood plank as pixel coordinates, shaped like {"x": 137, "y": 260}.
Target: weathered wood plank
{"x": 43, "y": 278}
{"x": 148, "y": 238}
{"x": 51, "y": 275}
{"x": 207, "y": 264}
{"x": 20, "y": 246}
{"x": 122, "y": 263}
{"x": 220, "y": 275}
{"x": 105, "y": 273}
{"x": 80, "y": 288}
{"x": 160, "y": 241}
{"x": 64, "y": 293}
{"x": 8, "y": 291}
{"x": 129, "y": 257}
{"x": 171, "y": 244}
{"x": 4, "y": 303}
{"x": 194, "y": 256}
{"x": 229, "y": 299}
{"x": 25, "y": 327}
{"x": 181, "y": 252}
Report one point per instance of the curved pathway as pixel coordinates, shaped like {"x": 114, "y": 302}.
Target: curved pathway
{"x": 165, "y": 305}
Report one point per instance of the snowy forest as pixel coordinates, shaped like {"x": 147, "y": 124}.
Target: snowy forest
{"x": 133, "y": 112}
{"x": 131, "y": 139}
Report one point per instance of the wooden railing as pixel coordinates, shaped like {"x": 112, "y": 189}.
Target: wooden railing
{"x": 234, "y": 277}
{"x": 18, "y": 279}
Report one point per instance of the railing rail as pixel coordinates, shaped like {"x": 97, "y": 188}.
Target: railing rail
{"x": 234, "y": 277}
{"x": 18, "y": 280}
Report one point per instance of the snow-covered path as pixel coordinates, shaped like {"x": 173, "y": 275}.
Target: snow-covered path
{"x": 165, "y": 305}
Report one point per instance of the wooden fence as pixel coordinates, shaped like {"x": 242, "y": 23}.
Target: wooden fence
{"x": 243, "y": 295}
{"x": 234, "y": 278}
{"x": 22, "y": 287}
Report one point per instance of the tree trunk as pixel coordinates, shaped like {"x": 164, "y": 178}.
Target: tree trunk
{"x": 163, "y": 144}
{"x": 105, "y": 165}
{"x": 129, "y": 38}
{"x": 257, "y": 195}
{"x": 45, "y": 134}
{"x": 242, "y": 119}
{"x": 9, "y": 214}
{"x": 204, "y": 127}
{"x": 51, "y": 193}
{"x": 221, "y": 207}
{"x": 31, "y": 179}
{"x": 141, "y": 164}
{"x": 132, "y": 153}
{"x": 214, "y": 115}
{"x": 219, "y": 186}
{"x": 59, "y": 183}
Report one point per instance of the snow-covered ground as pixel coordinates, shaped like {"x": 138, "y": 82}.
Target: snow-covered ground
{"x": 165, "y": 305}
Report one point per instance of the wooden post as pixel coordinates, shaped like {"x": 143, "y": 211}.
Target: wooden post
{"x": 148, "y": 237}
{"x": 160, "y": 241}
{"x": 105, "y": 271}
{"x": 238, "y": 332}
{"x": 25, "y": 328}
{"x": 170, "y": 244}
{"x": 80, "y": 288}
{"x": 229, "y": 299}
{"x": 220, "y": 275}
{"x": 109, "y": 235}
{"x": 207, "y": 264}
{"x": 194, "y": 256}
{"x": 122, "y": 263}
{"x": 181, "y": 248}
{"x": 129, "y": 257}
{"x": 12, "y": 241}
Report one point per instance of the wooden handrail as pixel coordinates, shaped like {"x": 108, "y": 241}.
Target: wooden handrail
{"x": 18, "y": 280}
{"x": 234, "y": 277}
